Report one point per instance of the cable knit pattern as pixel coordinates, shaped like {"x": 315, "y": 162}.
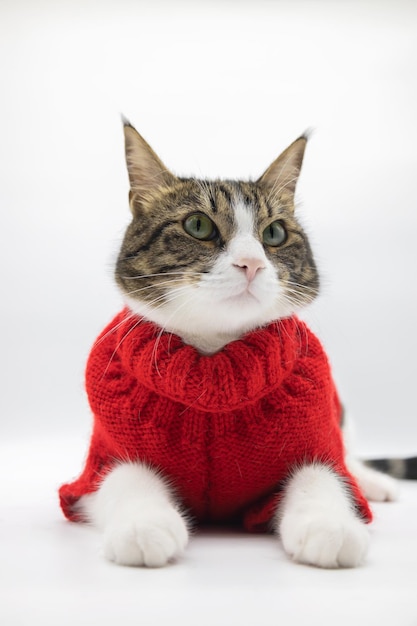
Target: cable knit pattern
{"x": 226, "y": 429}
{"x": 167, "y": 366}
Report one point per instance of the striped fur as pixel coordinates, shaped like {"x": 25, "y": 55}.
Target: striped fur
{"x": 398, "y": 468}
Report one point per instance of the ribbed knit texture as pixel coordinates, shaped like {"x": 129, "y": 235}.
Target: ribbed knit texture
{"x": 227, "y": 430}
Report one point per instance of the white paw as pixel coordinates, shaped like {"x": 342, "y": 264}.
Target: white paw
{"x": 149, "y": 538}
{"x": 376, "y": 486}
{"x": 317, "y": 539}
{"x": 379, "y": 487}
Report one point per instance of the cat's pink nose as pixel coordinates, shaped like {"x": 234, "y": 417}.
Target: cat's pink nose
{"x": 251, "y": 266}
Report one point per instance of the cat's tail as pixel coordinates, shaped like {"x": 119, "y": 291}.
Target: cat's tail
{"x": 398, "y": 468}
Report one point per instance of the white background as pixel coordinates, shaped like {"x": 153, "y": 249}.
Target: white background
{"x": 218, "y": 89}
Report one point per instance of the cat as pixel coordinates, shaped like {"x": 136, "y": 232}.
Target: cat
{"x": 188, "y": 383}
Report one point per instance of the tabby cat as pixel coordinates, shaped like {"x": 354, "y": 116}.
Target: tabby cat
{"x": 196, "y": 382}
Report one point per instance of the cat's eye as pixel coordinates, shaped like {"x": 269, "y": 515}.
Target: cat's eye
{"x": 274, "y": 234}
{"x": 200, "y": 227}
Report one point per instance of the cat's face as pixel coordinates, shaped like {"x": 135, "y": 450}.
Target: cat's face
{"x": 203, "y": 258}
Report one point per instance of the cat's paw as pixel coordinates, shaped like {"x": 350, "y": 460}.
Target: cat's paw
{"x": 376, "y": 486}
{"x": 379, "y": 487}
{"x": 317, "y": 539}
{"x": 148, "y": 538}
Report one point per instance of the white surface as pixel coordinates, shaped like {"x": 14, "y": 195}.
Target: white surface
{"x": 218, "y": 89}
{"x": 52, "y": 572}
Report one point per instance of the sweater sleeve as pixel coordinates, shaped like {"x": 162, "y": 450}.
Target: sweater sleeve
{"x": 241, "y": 373}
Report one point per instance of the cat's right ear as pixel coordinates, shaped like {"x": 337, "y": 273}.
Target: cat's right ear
{"x": 147, "y": 173}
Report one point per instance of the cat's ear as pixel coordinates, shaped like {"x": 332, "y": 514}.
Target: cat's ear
{"x": 146, "y": 171}
{"x": 282, "y": 175}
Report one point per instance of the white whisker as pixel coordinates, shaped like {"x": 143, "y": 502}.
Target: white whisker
{"x": 139, "y": 321}
{"x": 148, "y": 287}
{"x": 115, "y": 328}
{"x": 143, "y": 276}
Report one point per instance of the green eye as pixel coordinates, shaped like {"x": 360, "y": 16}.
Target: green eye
{"x": 274, "y": 234}
{"x": 200, "y": 227}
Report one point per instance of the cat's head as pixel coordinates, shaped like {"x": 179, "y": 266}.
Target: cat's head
{"x": 213, "y": 258}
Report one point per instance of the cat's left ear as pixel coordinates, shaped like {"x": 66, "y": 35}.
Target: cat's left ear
{"x": 282, "y": 175}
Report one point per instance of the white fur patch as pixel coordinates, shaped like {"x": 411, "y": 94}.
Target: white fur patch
{"x": 244, "y": 219}
{"x": 317, "y": 522}
{"x": 136, "y": 514}
{"x": 245, "y": 243}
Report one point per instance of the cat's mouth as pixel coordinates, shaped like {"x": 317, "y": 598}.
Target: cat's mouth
{"x": 245, "y": 296}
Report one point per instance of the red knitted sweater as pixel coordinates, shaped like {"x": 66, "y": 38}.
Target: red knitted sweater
{"x": 226, "y": 429}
